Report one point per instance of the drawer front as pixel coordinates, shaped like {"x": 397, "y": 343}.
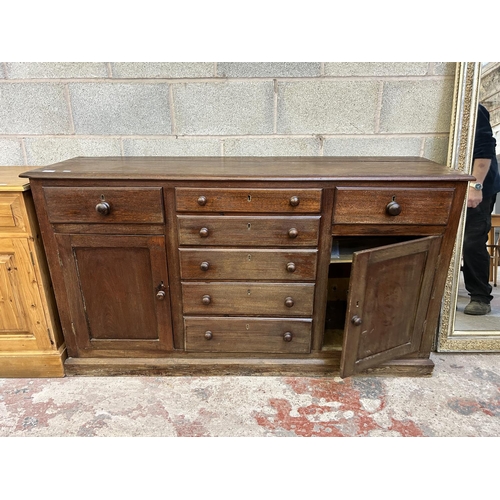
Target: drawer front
{"x": 248, "y": 335}
{"x": 229, "y": 230}
{"x": 392, "y": 205}
{"x": 248, "y": 200}
{"x": 104, "y": 205}
{"x": 248, "y": 299}
{"x": 248, "y": 264}
{"x": 11, "y": 213}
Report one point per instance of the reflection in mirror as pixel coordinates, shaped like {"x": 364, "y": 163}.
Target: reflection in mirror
{"x": 475, "y": 82}
{"x": 489, "y": 322}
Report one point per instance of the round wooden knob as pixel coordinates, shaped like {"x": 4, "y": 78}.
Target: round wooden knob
{"x": 208, "y": 335}
{"x": 393, "y": 208}
{"x": 202, "y": 201}
{"x": 287, "y": 336}
{"x": 206, "y": 299}
{"x": 204, "y": 266}
{"x": 290, "y": 267}
{"x": 103, "y": 208}
{"x": 204, "y": 232}
{"x": 294, "y": 201}
{"x": 293, "y": 233}
{"x": 356, "y": 320}
{"x": 160, "y": 295}
{"x": 289, "y": 302}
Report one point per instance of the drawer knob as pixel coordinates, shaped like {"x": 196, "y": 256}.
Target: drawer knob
{"x": 208, "y": 335}
{"x": 290, "y": 267}
{"x": 206, "y": 299}
{"x": 287, "y": 336}
{"x": 294, "y": 201}
{"x": 293, "y": 233}
{"x": 160, "y": 295}
{"x": 204, "y": 266}
{"x": 202, "y": 201}
{"x": 103, "y": 208}
{"x": 289, "y": 302}
{"x": 393, "y": 208}
{"x": 204, "y": 232}
{"x": 356, "y": 320}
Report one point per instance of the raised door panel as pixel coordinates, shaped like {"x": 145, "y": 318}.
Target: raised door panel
{"x": 389, "y": 293}
{"x": 22, "y": 319}
{"x": 118, "y": 291}
{"x": 12, "y": 220}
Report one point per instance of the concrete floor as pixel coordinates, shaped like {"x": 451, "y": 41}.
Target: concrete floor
{"x": 466, "y": 322}
{"x": 460, "y": 399}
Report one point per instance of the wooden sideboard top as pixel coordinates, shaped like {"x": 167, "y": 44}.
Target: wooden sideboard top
{"x": 251, "y": 168}
{"x": 10, "y": 180}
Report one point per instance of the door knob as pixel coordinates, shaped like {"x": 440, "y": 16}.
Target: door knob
{"x": 393, "y": 208}
{"x": 356, "y": 320}
{"x": 103, "y": 208}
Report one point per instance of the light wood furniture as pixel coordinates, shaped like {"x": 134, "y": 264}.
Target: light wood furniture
{"x": 194, "y": 265}
{"x": 31, "y": 341}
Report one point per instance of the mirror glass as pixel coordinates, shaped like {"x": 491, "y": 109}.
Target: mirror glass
{"x": 475, "y": 82}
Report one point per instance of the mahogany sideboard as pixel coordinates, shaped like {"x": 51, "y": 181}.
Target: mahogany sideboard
{"x": 31, "y": 341}
{"x": 248, "y": 265}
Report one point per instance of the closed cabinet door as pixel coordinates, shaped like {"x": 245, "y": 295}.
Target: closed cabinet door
{"x": 22, "y": 318}
{"x": 389, "y": 292}
{"x": 118, "y": 294}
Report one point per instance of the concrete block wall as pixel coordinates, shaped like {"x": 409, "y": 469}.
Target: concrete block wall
{"x": 53, "y": 111}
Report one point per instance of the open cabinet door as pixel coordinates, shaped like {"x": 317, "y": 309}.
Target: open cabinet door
{"x": 389, "y": 292}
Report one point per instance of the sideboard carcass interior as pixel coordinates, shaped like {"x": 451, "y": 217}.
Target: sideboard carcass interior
{"x": 248, "y": 265}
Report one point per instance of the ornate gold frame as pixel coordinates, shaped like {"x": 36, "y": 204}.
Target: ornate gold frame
{"x": 465, "y": 100}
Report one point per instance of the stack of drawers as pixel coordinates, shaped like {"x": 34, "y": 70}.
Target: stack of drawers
{"x": 248, "y": 278}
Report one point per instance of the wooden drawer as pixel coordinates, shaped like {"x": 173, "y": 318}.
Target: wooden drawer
{"x": 126, "y": 205}
{"x": 248, "y": 200}
{"x": 229, "y": 230}
{"x": 263, "y": 299}
{"x": 248, "y": 264}
{"x": 248, "y": 335}
{"x": 370, "y": 205}
{"x": 11, "y": 213}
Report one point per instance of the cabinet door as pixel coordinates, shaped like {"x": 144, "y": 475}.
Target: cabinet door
{"x": 389, "y": 292}
{"x": 117, "y": 288}
{"x": 22, "y": 319}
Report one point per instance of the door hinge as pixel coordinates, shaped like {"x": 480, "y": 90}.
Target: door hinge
{"x": 32, "y": 258}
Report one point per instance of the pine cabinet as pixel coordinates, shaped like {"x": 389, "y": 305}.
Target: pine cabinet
{"x": 31, "y": 341}
{"x": 304, "y": 266}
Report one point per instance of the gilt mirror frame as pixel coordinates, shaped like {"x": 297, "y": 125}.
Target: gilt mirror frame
{"x": 461, "y": 143}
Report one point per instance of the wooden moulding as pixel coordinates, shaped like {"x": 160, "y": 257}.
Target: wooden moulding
{"x": 236, "y": 367}
{"x": 33, "y": 364}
